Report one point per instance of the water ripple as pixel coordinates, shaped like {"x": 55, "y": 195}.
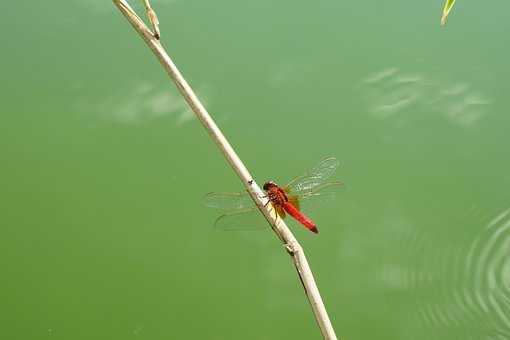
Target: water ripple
{"x": 487, "y": 270}
{"x": 471, "y": 285}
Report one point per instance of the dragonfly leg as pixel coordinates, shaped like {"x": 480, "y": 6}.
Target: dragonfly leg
{"x": 272, "y": 209}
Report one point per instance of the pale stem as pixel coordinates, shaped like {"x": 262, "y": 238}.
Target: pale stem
{"x": 278, "y": 225}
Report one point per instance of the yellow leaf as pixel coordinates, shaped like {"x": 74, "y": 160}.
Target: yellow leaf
{"x": 446, "y": 10}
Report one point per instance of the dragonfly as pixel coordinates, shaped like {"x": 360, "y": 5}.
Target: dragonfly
{"x": 240, "y": 210}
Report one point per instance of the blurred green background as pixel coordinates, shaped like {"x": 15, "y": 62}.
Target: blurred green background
{"x": 103, "y": 168}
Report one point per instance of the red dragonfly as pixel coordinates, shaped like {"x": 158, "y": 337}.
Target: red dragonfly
{"x": 240, "y": 208}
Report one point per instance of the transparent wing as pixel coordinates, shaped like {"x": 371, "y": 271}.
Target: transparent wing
{"x": 247, "y": 219}
{"x": 313, "y": 177}
{"x": 241, "y": 213}
{"x": 228, "y": 200}
{"x": 314, "y": 198}
{"x": 328, "y": 189}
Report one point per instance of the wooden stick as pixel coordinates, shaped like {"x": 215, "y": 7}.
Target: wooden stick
{"x": 278, "y": 225}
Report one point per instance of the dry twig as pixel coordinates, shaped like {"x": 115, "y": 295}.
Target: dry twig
{"x": 279, "y": 227}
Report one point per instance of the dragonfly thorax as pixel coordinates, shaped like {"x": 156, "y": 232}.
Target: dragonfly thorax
{"x": 274, "y": 193}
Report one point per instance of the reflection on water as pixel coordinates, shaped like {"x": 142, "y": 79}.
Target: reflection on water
{"x": 392, "y": 92}
{"x": 146, "y": 102}
{"x": 289, "y": 72}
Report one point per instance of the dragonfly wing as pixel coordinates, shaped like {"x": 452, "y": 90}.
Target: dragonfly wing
{"x": 325, "y": 189}
{"x": 228, "y": 200}
{"x": 247, "y": 219}
{"x": 316, "y": 197}
{"x": 313, "y": 177}
{"x": 313, "y": 202}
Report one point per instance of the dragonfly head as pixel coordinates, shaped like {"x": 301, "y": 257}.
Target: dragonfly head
{"x": 269, "y": 184}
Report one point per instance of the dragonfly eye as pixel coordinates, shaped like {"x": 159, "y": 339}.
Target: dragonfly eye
{"x": 268, "y": 185}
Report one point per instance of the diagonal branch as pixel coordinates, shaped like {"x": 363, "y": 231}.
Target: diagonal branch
{"x": 278, "y": 225}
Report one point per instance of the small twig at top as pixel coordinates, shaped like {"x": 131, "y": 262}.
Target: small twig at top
{"x": 153, "y": 18}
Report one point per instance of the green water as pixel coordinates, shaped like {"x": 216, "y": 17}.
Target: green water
{"x": 103, "y": 168}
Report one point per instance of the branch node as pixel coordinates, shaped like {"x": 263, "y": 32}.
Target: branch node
{"x": 290, "y": 249}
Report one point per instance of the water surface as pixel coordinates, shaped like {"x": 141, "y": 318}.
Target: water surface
{"x": 104, "y": 167}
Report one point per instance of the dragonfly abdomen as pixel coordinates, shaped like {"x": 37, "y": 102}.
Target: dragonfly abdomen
{"x": 300, "y": 217}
